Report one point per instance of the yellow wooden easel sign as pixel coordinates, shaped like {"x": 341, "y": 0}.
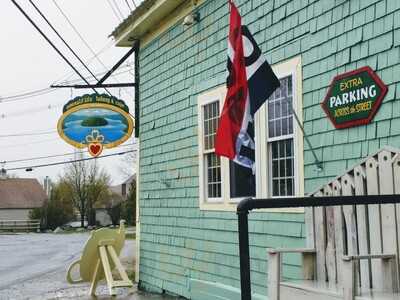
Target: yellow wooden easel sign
{"x": 100, "y": 258}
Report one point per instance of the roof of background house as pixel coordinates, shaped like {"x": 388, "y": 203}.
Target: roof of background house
{"x": 21, "y": 193}
{"x": 118, "y": 188}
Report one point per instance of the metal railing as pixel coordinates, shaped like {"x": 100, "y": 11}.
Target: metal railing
{"x": 19, "y": 225}
{"x": 247, "y": 205}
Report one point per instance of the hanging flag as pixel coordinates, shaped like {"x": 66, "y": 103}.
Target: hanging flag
{"x": 250, "y": 82}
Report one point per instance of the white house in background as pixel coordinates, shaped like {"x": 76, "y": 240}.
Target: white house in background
{"x": 120, "y": 193}
{"x": 123, "y": 188}
{"x": 18, "y": 196}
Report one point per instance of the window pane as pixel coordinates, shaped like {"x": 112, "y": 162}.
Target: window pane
{"x": 280, "y": 128}
{"x": 289, "y": 148}
{"x": 275, "y": 153}
{"x": 290, "y": 125}
{"x": 275, "y": 168}
{"x": 213, "y": 167}
{"x": 210, "y": 125}
{"x": 282, "y": 187}
{"x": 271, "y": 128}
{"x": 289, "y": 167}
{"x": 289, "y": 185}
{"x": 275, "y": 188}
{"x": 282, "y": 165}
{"x": 242, "y": 181}
{"x": 285, "y": 126}
{"x": 280, "y": 116}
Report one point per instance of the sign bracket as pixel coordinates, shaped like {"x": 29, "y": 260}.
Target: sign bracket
{"x": 100, "y": 82}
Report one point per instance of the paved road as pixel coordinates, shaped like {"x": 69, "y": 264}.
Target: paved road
{"x": 26, "y": 256}
{"x": 32, "y": 266}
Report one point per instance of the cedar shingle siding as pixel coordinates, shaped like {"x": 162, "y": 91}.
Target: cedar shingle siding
{"x": 178, "y": 241}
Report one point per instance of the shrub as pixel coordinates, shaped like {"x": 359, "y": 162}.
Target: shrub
{"x": 55, "y": 212}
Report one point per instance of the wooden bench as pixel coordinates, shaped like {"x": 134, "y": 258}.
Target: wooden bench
{"x": 19, "y": 225}
{"x": 352, "y": 251}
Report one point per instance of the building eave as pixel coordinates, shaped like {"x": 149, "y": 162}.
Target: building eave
{"x": 143, "y": 20}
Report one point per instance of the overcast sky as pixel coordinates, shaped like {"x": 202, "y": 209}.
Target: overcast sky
{"x": 28, "y": 63}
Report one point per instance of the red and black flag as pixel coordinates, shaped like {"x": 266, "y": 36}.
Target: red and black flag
{"x": 250, "y": 82}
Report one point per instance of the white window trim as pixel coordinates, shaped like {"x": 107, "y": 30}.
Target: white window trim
{"x": 204, "y": 99}
{"x": 291, "y": 67}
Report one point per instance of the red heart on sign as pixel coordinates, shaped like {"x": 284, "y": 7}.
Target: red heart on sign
{"x": 95, "y": 149}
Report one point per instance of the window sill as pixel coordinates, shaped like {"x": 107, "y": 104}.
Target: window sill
{"x": 231, "y": 206}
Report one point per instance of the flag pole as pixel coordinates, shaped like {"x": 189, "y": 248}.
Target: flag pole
{"x": 316, "y": 160}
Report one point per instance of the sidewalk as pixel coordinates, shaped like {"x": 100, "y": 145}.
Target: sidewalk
{"x": 34, "y": 268}
{"x": 131, "y": 294}
{"x": 102, "y": 294}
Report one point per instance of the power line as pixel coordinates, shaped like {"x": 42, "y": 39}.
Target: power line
{"x": 98, "y": 74}
{"x": 126, "y": 1}
{"x": 116, "y": 5}
{"x": 31, "y": 143}
{"x": 134, "y": 4}
{"x": 107, "y": 46}
{"x": 80, "y": 36}
{"x": 39, "y": 92}
{"x": 23, "y": 96}
{"x": 52, "y": 156}
{"x": 68, "y": 162}
{"x": 44, "y": 91}
{"x": 114, "y": 11}
{"x": 48, "y": 40}
{"x": 62, "y": 39}
{"x": 30, "y": 111}
{"x": 27, "y": 134}
{"x": 27, "y": 93}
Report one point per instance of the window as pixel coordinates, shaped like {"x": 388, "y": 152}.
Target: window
{"x": 279, "y": 147}
{"x": 222, "y": 181}
{"x": 210, "y": 113}
{"x": 280, "y": 140}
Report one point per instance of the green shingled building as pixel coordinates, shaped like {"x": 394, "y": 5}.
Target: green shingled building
{"x": 187, "y": 225}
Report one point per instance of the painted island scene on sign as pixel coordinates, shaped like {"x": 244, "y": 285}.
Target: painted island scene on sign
{"x": 354, "y": 97}
{"x": 112, "y": 125}
{"x": 95, "y": 121}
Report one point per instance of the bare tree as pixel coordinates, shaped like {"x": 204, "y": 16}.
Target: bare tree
{"x": 87, "y": 184}
{"x": 98, "y": 189}
{"x": 128, "y": 163}
{"x": 75, "y": 177}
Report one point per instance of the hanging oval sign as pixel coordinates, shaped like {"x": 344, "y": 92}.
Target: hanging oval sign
{"x": 95, "y": 121}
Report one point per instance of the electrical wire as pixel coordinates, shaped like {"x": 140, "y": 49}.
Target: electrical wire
{"x": 134, "y": 4}
{"x": 106, "y": 47}
{"x": 81, "y": 37}
{"x": 126, "y": 1}
{"x": 63, "y": 40}
{"x": 116, "y": 5}
{"x": 53, "y": 156}
{"x": 27, "y": 134}
{"x": 67, "y": 162}
{"x": 114, "y": 11}
{"x": 31, "y": 143}
{"x": 32, "y": 94}
{"x": 103, "y": 73}
{"x": 48, "y": 40}
{"x": 44, "y": 91}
